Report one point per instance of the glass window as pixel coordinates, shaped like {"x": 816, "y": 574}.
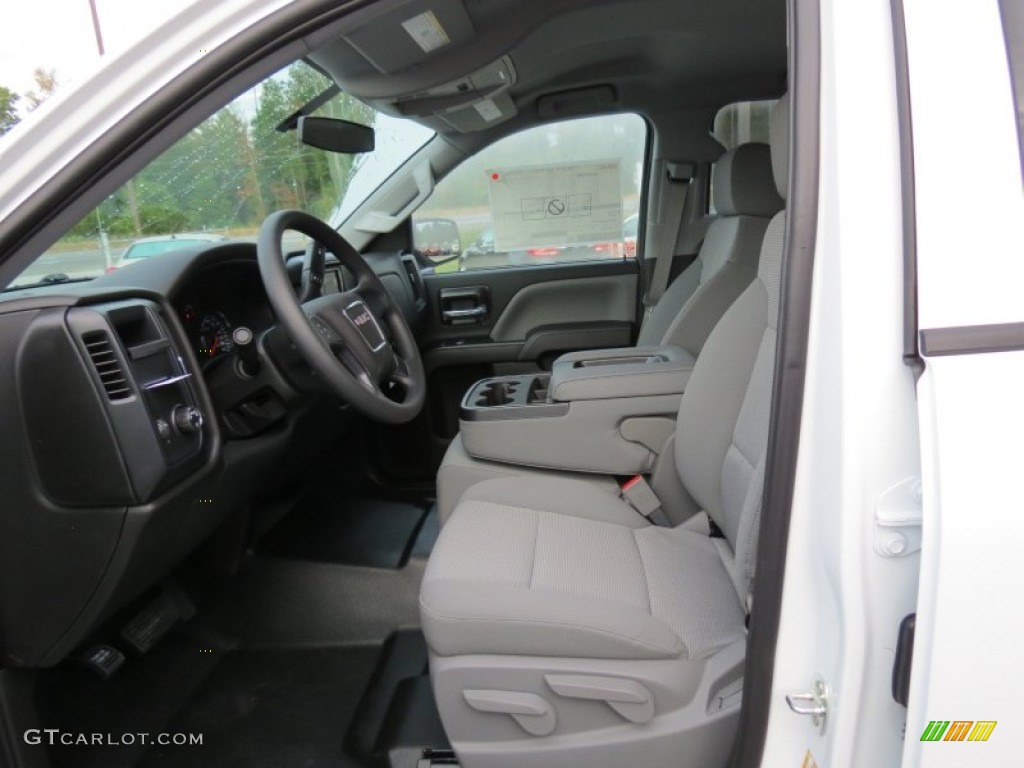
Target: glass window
{"x": 556, "y": 193}
{"x": 224, "y": 177}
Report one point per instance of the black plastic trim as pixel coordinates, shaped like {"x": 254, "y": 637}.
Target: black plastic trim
{"x": 904, "y": 116}
{"x": 904, "y": 662}
{"x": 18, "y": 715}
{"x": 972, "y": 339}
{"x": 790, "y": 371}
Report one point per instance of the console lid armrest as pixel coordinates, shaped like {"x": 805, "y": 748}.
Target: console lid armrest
{"x": 617, "y": 373}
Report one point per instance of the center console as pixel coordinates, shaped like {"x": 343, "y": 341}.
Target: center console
{"x": 607, "y": 411}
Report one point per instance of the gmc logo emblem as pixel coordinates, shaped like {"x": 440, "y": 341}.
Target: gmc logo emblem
{"x": 362, "y": 318}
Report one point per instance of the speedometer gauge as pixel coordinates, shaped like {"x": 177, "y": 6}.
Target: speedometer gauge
{"x": 214, "y": 335}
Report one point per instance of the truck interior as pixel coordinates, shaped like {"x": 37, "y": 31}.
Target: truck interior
{"x": 392, "y": 484}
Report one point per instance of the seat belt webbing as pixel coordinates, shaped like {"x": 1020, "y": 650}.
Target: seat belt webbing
{"x": 670, "y": 219}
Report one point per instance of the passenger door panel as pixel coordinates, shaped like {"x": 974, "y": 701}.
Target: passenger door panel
{"x": 524, "y": 318}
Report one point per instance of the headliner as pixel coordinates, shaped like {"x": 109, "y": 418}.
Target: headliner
{"x": 667, "y": 58}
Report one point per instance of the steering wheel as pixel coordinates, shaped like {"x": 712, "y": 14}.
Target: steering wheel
{"x": 357, "y": 341}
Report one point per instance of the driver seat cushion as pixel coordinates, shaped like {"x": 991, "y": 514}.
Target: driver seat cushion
{"x": 591, "y": 579}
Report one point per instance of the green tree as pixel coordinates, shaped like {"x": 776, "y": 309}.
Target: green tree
{"x": 291, "y": 174}
{"x": 8, "y": 109}
{"x": 202, "y": 182}
{"x": 274, "y": 152}
{"x": 219, "y": 195}
{"x": 46, "y": 85}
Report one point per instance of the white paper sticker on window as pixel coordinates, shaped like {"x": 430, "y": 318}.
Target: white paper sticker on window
{"x": 426, "y": 31}
{"x": 556, "y": 205}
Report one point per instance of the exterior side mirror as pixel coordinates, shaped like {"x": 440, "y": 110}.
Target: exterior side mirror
{"x": 436, "y": 239}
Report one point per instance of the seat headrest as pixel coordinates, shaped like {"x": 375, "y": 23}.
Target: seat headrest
{"x": 779, "y": 136}
{"x": 743, "y": 183}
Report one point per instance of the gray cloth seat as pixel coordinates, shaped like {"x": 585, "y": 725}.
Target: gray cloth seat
{"x": 745, "y": 199}
{"x": 565, "y": 629}
{"x": 564, "y": 570}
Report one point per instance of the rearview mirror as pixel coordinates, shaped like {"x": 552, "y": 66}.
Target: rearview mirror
{"x": 335, "y": 135}
{"x": 436, "y": 239}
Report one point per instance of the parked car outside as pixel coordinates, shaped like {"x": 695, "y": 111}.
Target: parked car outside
{"x": 153, "y": 246}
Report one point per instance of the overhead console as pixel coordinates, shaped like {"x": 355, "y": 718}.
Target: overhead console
{"x": 468, "y": 103}
{"x": 394, "y": 41}
{"x": 607, "y": 411}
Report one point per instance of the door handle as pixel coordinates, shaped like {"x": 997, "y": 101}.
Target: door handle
{"x": 464, "y": 314}
{"x": 466, "y": 305}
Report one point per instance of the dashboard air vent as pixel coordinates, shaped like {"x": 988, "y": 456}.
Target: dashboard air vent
{"x": 108, "y": 366}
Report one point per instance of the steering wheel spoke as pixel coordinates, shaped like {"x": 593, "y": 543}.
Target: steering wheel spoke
{"x": 313, "y": 263}
{"x": 358, "y": 341}
{"x": 323, "y": 329}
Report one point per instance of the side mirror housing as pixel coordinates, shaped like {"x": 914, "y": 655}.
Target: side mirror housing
{"x": 436, "y": 239}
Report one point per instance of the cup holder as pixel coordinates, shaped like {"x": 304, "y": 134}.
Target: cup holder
{"x": 497, "y": 393}
{"x": 510, "y": 397}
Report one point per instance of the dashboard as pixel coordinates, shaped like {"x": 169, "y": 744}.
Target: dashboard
{"x": 217, "y": 302}
{"x": 120, "y": 412}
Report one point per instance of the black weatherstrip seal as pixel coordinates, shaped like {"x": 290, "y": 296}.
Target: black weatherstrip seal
{"x": 788, "y": 389}
{"x": 907, "y": 189}
{"x": 972, "y": 339}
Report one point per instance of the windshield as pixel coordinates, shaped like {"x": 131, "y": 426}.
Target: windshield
{"x": 224, "y": 177}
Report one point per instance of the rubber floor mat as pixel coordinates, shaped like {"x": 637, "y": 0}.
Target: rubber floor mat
{"x": 328, "y": 529}
{"x": 273, "y": 708}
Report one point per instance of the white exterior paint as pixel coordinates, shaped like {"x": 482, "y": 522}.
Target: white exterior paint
{"x": 860, "y": 434}
{"x": 967, "y": 654}
{"x": 842, "y": 602}
{"x": 970, "y": 212}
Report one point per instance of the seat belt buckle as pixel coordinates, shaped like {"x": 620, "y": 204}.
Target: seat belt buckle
{"x": 637, "y": 492}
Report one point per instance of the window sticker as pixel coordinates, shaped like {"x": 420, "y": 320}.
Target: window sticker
{"x": 426, "y": 31}
{"x": 556, "y": 205}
